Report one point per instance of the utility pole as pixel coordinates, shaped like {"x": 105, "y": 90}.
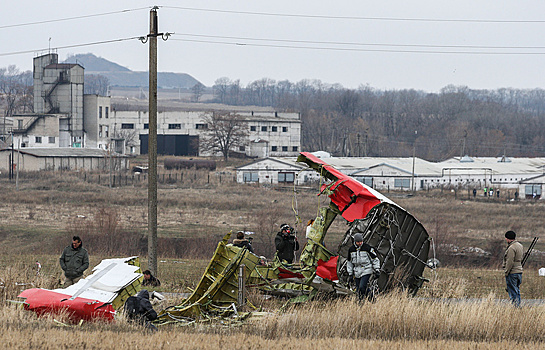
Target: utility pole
{"x": 152, "y": 144}
{"x": 414, "y": 157}
{"x": 152, "y": 138}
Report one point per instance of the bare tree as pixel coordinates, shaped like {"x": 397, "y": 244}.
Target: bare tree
{"x": 198, "y": 91}
{"x": 225, "y": 131}
{"x": 15, "y": 90}
{"x": 16, "y": 93}
{"x": 221, "y": 88}
{"x": 130, "y": 136}
{"x": 96, "y": 84}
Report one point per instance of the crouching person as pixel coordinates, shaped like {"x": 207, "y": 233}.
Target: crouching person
{"x": 138, "y": 309}
{"x": 361, "y": 264}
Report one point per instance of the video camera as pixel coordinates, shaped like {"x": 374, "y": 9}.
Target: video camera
{"x": 287, "y": 230}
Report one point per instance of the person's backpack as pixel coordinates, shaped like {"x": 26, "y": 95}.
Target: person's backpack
{"x": 133, "y": 308}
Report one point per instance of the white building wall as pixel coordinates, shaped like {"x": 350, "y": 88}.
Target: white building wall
{"x": 287, "y": 134}
{"x": 97, "y": 117}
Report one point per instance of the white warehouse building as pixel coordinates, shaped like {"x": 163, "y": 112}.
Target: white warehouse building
{"x": 522, "y": 175}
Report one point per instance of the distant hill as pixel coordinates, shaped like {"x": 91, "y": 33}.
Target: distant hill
{"x": 124, "y": 77}
{"x": 92, "y": 63}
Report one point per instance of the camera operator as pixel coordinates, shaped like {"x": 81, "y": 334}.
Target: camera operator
{"x": 286, "y": 244}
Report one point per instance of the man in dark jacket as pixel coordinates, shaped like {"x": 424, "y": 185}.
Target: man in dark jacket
{"x": 74, "y": 260}
{"x": 286, "y": 244}
{"x": 512, "y": 267}
{"x": 241, "y": 242}
{"x": 150, "y": 280}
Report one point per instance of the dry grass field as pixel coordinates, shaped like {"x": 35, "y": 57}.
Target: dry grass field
{"x": 37, "y": 221}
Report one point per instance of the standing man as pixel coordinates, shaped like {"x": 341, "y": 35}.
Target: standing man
{"x": 74, "y": 260}
{"x": 512, "y": 266}
{"x": 361, "y": 264}
{"x": 286, "y": 244}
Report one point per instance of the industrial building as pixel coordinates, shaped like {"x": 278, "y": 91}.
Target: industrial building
{"x": 522, "y": 175}
{"x": 178, "y": 132}
{"x": 66, "y": 118}
{"x": 59, "y": 159}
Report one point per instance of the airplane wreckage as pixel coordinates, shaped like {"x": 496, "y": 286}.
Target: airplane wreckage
{"x": 400, "y": 240}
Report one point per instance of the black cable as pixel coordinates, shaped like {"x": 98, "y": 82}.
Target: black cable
{"x": 68, "y": 46}
{"x": 71, "y": 18}
{"x": 358, "y": 44}
{"x": 359, "y": 49}
{"x": 353, "y": 17}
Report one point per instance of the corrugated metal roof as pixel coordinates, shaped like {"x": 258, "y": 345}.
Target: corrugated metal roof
{"x": 65, "y": 152}
{"x": 422, "y": 168}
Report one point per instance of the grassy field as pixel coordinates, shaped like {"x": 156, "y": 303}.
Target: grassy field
{"x": 37, "y": 221}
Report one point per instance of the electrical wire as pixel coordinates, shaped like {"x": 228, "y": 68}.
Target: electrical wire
{"x": 406, "y": 19}
{"x": 324, "y": 48}
{"x": 69, "y": 46}
{"x": 71, "y": 18}
{"x": 360, "y": 44}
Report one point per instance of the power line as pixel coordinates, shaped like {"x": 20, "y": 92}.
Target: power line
{"x": 354, "y": 17}
{"x": 68, "y": 46}
{"x": 325, "y": 48}
{"x": 359, "y": 44}
{"x": 71, "y": 18}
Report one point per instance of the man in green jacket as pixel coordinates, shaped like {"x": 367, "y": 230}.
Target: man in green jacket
{"x": 512, "y": 267}
{"x": 74, "y": 260}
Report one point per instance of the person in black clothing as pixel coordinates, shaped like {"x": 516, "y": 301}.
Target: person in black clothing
{"x": 150, "y": 280}
{"x": 241, "y": 242}
{"x": 139, "y": 309}
{"x": 286, "y": 244}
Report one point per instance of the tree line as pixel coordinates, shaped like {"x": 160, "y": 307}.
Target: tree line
{"x": 370, "y": 122}
{"x": 366, "y": 121}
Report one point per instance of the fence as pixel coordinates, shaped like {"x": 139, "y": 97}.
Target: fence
{"x": 188, "y": 177}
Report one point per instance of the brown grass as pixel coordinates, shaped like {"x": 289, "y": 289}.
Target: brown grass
{"x": 393, "y": 321}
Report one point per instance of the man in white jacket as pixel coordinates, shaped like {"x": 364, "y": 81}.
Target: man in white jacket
{"x": 361, "y": 264}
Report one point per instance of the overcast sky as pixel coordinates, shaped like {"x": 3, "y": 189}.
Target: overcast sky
{"x": 386, "y": 44}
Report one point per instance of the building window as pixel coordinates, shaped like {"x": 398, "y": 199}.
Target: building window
{"x": 38, "y": 139}
{"x": 19, "y": 123}
{"x": 274, "y": 129}
{"x": 286, "y": 177}
{"x": 106, "y": 131}
{"x": 106, "y": 110}
{"x": 174, "y": 126}
{"x": 274, "y": 148}
{"x": 127, "y": 126}
{"x": 402, "y": 183}
{"x": 100, "y": 131}
{"x": 532, "y": 191}
{"x": 51, "y": 139}
{"x": 263, "y": 128}
{"x": 99, "y": 112}
{"x": 146, "y": 126}
{"x": 201, "y": 126}
{"x": 284, "y": 129}
{"x": 294, "y": 149}
{"x": 242, "y": 149}
{"x": 284, "y": 148}
{"x": 250, "y": 176}
{"x": 253, "y": 128}
{"x": 365, "y": 180}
